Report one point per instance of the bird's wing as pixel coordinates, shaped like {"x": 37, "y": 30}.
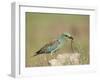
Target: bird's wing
{"x": 49, "y": 47}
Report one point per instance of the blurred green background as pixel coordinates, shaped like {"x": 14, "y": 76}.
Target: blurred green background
{"x": 44, "y": 27}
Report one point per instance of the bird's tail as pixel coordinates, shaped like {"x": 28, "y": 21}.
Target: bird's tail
{"x": 36, "y": 53}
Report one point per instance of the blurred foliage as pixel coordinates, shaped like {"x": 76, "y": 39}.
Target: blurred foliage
{"x": 44, "y": 27}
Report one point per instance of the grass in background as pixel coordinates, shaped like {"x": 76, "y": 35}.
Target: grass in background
{"x": 44, "y": 27}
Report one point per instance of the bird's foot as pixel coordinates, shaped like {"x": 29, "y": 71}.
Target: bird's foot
{"x": 51, "y": 54}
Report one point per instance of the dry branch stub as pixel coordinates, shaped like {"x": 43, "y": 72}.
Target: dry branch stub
{"x": 66, "y": 59}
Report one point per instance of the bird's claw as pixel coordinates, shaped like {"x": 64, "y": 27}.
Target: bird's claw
{"x": 51, "y": 54}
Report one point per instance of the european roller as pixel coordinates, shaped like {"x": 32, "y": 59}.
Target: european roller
{"x": 54, "y": 45}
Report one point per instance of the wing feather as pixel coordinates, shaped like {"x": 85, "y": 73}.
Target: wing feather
{"x": 47, "y": 48}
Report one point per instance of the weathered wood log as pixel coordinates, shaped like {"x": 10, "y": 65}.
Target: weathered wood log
{"x": 65, "y": 59}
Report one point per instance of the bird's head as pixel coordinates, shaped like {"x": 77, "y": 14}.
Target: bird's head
{"x": 65, "y": 34}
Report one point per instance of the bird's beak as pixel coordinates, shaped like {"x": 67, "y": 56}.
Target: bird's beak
{"x": 71, "y": 37}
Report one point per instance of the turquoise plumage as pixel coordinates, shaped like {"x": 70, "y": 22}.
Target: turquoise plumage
{"x": 55, "y": 45}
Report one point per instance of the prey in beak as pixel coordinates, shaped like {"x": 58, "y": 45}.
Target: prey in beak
{"x": 71, "y": 37}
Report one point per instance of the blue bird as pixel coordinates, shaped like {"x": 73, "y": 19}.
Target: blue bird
{"x": 54, "y": 45}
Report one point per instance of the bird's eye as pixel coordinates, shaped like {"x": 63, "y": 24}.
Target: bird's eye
{"x": 66, "y": 35}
